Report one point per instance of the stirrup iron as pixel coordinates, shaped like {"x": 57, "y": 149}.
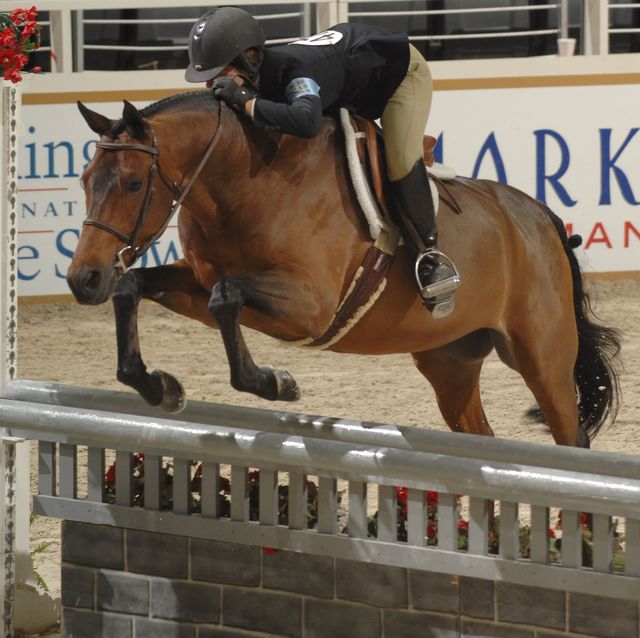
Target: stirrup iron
{"x": 438, "y": 295}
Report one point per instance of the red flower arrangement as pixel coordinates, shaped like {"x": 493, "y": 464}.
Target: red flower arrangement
{"x": 431, "y": 497}
{"x": 20, "y": 36}
{"x": 224, "y": 494}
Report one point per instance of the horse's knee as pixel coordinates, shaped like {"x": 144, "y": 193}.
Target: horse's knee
{"x": 127, "y": 287}
{"x": 225, "y": 296}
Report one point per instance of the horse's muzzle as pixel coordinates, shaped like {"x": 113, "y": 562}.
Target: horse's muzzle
{"x": 89, "y": 285}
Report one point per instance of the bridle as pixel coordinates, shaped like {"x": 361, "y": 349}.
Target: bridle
{"x": 132, "y": 247}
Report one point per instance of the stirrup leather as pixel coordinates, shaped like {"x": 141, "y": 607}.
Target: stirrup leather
{"x": 444, "y": 287}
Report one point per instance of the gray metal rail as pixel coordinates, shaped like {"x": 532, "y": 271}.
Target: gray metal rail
{"x": 336, "y": 429}
{"x": 335, "y": 459}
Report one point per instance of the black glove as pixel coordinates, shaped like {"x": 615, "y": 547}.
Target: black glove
{"x": 236, "y": 96}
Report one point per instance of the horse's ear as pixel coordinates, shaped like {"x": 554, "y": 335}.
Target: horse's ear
{"x": 134, "y": 120}
{"x": 97, "y": 123}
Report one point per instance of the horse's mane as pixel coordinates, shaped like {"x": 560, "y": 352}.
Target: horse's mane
{"x": 201, "y": 100}
{"x": 198, "y": 100}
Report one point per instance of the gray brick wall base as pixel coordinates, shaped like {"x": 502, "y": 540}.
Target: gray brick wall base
{"x": 120, "y": 583}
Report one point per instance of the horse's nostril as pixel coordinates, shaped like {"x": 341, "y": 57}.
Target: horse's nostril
{"x": 89, "y": 285}
{"x": 93, "y": 281}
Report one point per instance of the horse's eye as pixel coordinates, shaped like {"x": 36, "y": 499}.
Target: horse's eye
{"x": 134, "y": 186}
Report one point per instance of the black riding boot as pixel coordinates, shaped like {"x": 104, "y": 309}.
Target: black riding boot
{"x": 436, "y": 275}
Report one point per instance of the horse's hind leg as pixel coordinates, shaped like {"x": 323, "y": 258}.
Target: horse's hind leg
{"x": 454, "y": 372}
{"x": 546, "y": 360}
{"x": 228, "y": 297}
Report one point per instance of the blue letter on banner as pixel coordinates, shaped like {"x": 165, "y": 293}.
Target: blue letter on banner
{"x": 609, "y": 164}
{"x": 491, "y": 146}
{"x": 554, "y": 179}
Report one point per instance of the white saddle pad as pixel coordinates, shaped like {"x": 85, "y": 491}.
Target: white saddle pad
{"x": 361, "y": 185}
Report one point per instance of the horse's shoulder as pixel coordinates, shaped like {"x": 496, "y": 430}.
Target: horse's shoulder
{"x": 311, "y": 147}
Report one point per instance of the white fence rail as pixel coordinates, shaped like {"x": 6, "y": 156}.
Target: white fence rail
{"x": 382, "y": 461}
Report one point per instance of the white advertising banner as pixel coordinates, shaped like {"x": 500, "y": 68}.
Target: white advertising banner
{"x": 576, "y": 148}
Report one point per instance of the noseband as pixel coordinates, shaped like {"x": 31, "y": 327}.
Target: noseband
{"x": 132, "y": 247}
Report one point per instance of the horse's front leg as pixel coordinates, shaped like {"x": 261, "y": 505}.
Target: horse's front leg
{"x": 158, "y": 388}
{"x": 228, "y": 297}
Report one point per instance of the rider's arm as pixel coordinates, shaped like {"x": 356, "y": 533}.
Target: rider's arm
{"x": 301, "y": 115}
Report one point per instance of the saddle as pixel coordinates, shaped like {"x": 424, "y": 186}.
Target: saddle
{"x": 368, "y": 171}
{"x": 370, "y": 151}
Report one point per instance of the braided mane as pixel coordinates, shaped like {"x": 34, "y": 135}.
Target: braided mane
{"x": 202, "y": 100}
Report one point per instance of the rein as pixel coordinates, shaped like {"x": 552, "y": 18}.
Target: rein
{"x": 131, "y": 246}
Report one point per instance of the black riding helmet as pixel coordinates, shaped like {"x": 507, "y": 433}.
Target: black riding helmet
{"x": 219, "y": 37}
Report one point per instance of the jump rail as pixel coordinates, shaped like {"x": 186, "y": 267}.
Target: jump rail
{"x": 369, "y": 457}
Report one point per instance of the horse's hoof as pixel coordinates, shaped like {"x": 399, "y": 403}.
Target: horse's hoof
{"x": 583, "y": 439}
{"x": 287, "y": 386}
{"x": 173, "y": 399}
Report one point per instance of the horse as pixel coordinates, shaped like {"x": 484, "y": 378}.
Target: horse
{"x": 272, "y": 235}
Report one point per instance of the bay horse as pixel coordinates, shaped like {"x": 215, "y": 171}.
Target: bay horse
{"x": 272, "y": 234}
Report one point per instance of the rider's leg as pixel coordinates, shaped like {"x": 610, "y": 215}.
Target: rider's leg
{"x": 414, "y": 200}
{"x": 403, "y": 124}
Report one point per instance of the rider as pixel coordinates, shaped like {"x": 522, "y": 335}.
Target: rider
{"x": 376, "y": 73}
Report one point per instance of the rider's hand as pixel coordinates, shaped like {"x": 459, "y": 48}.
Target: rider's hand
{"x": 235, "y": 94}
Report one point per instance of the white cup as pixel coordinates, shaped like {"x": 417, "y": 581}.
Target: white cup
{"x": 566, "y": 46}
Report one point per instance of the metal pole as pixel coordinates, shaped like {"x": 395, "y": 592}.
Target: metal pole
{"x": 62, "y": 40}
{"x": 330, "y": 13}
{"x": 564, "y": 19}
{"x": 79, "y": 21}
{"x": 305, "y": 20}
{"x": 596, "y": 27}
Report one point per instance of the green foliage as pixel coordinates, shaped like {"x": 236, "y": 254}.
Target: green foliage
{"x": 40, "y": 548}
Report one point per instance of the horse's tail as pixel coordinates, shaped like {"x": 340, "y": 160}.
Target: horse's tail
{"x": 596, "y": 370}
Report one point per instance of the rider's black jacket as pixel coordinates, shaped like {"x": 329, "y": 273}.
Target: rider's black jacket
{"x": 352, "y": 65}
